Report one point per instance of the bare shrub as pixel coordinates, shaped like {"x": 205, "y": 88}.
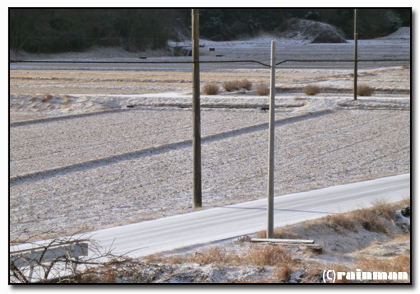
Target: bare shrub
{"x": 364, "y": 90}
{"x": 311, "y": 90}
{"x": 210, "y": 89}
{"x": 231, "y": 85}
{"x": 45, "y": 97}
{"x": 48, "y": 260}
{"x": 262, "y": 90}
{"x": 245, "y": 84}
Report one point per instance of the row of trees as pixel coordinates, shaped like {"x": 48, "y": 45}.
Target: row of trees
{"x": 58, "y": 30}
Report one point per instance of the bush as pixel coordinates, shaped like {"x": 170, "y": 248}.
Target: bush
{"x": 364, "y": 90}
{"x": 231, "y": 85}
{"x": 245, "y": 84}
{"x": 46, "y": 97}
{"x": 311, "y": 90}
{"x": 210, "y": 89}
{"x": 262, "y": 90}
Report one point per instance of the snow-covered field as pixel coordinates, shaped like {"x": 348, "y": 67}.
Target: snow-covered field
{"x": 84, "y": 160}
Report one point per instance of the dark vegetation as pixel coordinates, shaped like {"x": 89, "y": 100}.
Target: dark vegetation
{"x": 59, "y": 30}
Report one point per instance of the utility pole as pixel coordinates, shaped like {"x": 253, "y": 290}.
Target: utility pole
{"x": 197, "y": 191}
{"x": 270, "y": 204}
{"x": 355, "y": 56}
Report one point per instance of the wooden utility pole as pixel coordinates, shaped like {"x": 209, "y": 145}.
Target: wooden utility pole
{"x": 355, "y": 56}
{"x": 270, "y": 204}
{"x": 197, "y": 191}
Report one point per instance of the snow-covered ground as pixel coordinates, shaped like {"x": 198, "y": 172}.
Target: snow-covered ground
{"x": 83, "y": 160}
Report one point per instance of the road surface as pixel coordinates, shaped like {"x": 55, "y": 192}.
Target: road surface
{"x": 245, "y": 218}
{"x": 147, "y": 237}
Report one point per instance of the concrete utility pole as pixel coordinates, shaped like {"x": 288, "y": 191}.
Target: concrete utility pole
{"x": 270, "y": 204}
{"x": 197, "y": 191}
{"x": 355, "y": 56}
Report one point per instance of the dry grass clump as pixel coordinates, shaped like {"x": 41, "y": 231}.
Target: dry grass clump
{"x": 258, "y": 255}
{"x": 278, "y": 233}
{"x": 313, "y": 275}
{"x": 340, "y": 222}
{"x": 245, "y": 84}
{"x": 399, "y": 263}
{"x": 396, "y": 264}
{"x": 370, "y": 220}
{"x": 281, "y": 273}
{"x": 267, "y": 255}
{"x": 45, "y": 97}
{"x": 364, "y": 90}
{"x": 231, "y": 85}
{"x": 212, "y": 255}
{"x": 66, "y": 99}
{"x": 107, "y": 276}
{"x": 311, "y": 90}
{"x": 262, "y": 90}
{"x": 210, "y": 89}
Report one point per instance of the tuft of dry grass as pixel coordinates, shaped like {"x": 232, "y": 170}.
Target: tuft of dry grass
{"x": 340, "y": 222}
{"x": 262, "y": 90}
{"x": 66, "y": 99}
{"x": 245, "y": 84}
{"x": 231, "y": 85}
{"x": 210, "y": 89}
{"x": 311, "y": 90}
{"x": 212, "y": 255}
{"x": 279, "y": 233}
{"x": 45, "y": 97}
{"x": 364, "y": 90}
{"x": 313, "y": 275}
{"x": 281, "y": 273}
{"x": 267, "y": 255}
{"x": 399, "y": 263}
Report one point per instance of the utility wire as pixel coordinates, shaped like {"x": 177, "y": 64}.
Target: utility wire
{"x": 208, "y": 61}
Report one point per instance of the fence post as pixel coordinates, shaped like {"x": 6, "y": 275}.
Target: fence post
{"x": 270, "y": 204}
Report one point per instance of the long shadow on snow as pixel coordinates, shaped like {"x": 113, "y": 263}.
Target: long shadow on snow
{"x": 91, "y": 164}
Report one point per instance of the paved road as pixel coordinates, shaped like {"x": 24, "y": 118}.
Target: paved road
{"x": 234, "y": 220}
{"x": 230, "y": 221}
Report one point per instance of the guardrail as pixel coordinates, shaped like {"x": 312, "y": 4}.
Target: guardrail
{"x": 25, "y": 262}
